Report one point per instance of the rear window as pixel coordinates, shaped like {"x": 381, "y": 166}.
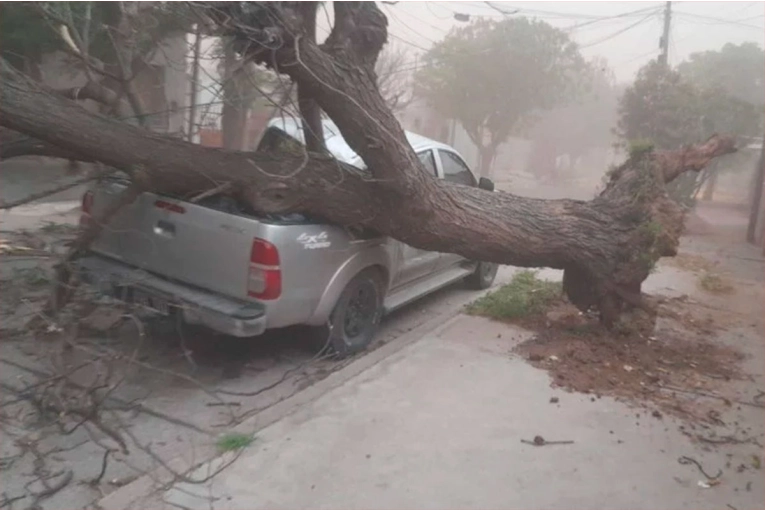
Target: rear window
{"x": 273, "y": 140}
{"x": 276, "y": 140}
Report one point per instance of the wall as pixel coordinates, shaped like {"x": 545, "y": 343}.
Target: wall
{"x": 171, "y": 55}
{"x": 169, "y": 62}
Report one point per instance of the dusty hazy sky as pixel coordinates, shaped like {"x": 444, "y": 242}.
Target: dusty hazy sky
{"x": 627, "y": 42}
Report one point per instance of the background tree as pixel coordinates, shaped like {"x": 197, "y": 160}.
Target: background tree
{"x": 578, "y": 128}
{"x": 393, "y": 77}
{"x": 661, "y": 109}
{"x": 732, "y": 89}
{"x": 666, "y": 109}
{"x": 739, "y": 70}
{"x": 492, "y": 76}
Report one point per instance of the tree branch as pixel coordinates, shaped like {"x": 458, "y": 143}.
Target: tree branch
{"x": 14, "y": 144}
{"x": 694, "y": 158}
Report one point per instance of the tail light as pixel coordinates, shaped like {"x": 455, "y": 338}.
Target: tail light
{"x": 86, "y": 208}
{"x": 265, "y": 278}
{"x": 169, "y": 206}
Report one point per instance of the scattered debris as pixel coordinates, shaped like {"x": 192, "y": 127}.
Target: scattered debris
{"x": 554, "y": 400}
{"x": 727, "y": 440}
{"x": 685, "y": 460}
{"x": 689, "y": 262}
{"x": 715, "y": 284}
{"x": 540, "y": 441}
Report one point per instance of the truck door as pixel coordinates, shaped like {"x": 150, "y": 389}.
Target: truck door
{"x": 414, "y": 263}
{"x": 454, "y": 170}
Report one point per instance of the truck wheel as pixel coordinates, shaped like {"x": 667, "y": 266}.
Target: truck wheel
{"x": 483, "y": 276}
{"x": 354, "y": 320}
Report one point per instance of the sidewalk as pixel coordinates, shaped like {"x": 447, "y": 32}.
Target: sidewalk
{"x": 439, "y": 425}
{"x": 36, "y": 215}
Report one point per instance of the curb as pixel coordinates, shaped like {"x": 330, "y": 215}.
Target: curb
{"x": 144, "y": 486}
{"x": 41, "y": 210}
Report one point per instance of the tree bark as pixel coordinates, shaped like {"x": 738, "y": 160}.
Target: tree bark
{"x": 606, "y": 247}
{"x": 310, "y": 112}
{"x": 487, "y": 156}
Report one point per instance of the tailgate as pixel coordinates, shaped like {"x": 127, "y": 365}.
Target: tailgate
{"x": 186, "y": 242}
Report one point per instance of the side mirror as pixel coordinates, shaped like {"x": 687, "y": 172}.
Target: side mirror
{"x": 486, "y": 183}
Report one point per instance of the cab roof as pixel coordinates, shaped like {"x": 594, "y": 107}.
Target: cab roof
{"x": 337, "y": 145}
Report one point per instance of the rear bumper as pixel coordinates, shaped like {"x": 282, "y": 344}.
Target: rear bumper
{"x": 197, "y": 306}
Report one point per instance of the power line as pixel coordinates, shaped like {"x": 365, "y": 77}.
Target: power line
{"x": 653, "y": 10}
{"x": 552, "y": 14}
{"x": 427, "y": 5}
{"x": 405, "y": 25}
{"x": 419, "y": 20}
{"x": 410, "y": 43}
{"x": 718, "y": 21}
{"x": 619, "y": 32}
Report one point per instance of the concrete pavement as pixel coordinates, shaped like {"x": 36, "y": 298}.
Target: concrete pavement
{"x": 436, "y": 419}
{"x": 439, "y": 425}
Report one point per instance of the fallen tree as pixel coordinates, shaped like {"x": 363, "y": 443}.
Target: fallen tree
{"x": 606, "y": 247}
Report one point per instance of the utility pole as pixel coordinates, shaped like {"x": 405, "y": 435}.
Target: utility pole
{"x": 664, "y": 41}
{"x": 192, "y": 124}
{"x": 759, "y": 191}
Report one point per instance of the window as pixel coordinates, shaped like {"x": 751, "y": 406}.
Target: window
{"x": 151, "y": 87}
{"x": 455, "y": 170}
{"x": 428, "y": 161}
{"x": 276, "y": 140}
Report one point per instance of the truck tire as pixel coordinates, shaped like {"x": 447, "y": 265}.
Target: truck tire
{"x": 356, "y": 316}
{"x": 483, "y": 276}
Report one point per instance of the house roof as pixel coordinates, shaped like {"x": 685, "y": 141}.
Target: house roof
{"x": 337, "y": 145}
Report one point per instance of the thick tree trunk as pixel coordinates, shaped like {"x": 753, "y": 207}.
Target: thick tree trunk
{"x": 486, "y": 160}
{"x": 313, "y": 129}
{"x": 606, "y": 247}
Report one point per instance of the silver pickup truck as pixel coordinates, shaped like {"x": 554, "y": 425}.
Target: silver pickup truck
{"x": 216, "y": 264}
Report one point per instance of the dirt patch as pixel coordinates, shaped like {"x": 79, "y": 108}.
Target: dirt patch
{"x": 715, "y": 283}
{"x": 651, "y": 370}
{"x": 689, "y": 262}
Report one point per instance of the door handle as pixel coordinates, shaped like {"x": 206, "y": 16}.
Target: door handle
{"x": 164, "y": 228}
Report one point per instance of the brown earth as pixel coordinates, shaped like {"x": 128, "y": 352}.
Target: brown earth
{"x": 645, "y": 369}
